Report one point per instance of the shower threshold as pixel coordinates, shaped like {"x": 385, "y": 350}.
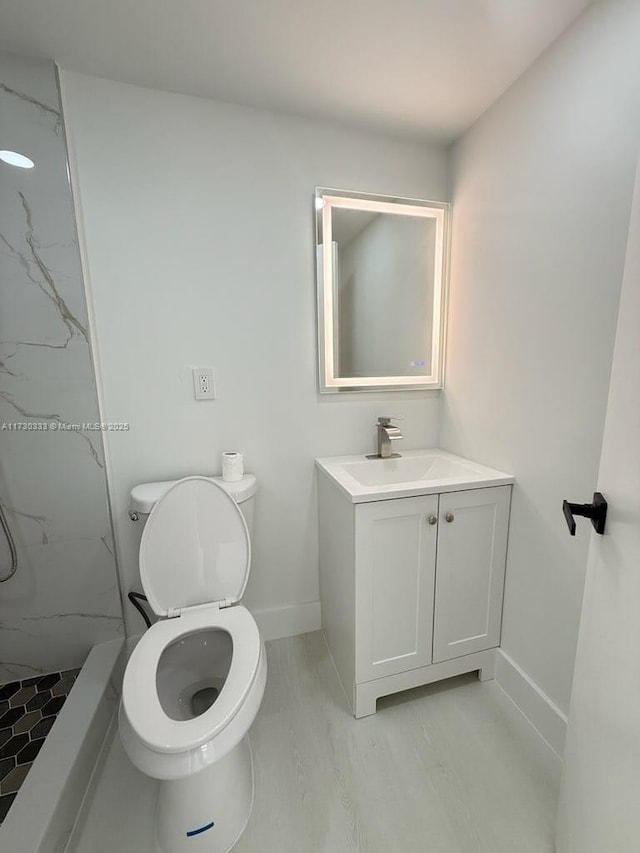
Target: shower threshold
{"x": 28, "y": 710}
{"x": 45, "y": 809}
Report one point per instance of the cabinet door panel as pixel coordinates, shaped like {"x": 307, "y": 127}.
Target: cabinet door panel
{"x": 395, "y": 566}
{"x": 472, "y": 550}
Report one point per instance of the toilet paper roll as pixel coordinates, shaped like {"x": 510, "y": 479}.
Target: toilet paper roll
{"x": 232, "y": 466}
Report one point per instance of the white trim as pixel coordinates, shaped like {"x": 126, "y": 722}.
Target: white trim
{"x": 543, "y": 714}
{"x": 366, "y": 694}
{"x": 94, "y": 348}
{"x": 47, "y": 805}
{"x": 438, "y": 211}
{"x": 288, "y": 620}
{"x": 378, "y": 205}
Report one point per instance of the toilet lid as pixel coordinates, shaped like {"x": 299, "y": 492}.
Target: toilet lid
{"x": 195, "y": 548}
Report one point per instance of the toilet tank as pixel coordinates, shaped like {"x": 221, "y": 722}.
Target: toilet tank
{"x": 143, "y": 497}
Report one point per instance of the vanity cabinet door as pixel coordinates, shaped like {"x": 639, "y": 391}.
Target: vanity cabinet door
{"x": 472, "y": 550}
{"x": 395, "y": 547}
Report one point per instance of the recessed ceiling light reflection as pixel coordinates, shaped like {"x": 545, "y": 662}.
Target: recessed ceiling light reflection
{"x": 15, "y": 159}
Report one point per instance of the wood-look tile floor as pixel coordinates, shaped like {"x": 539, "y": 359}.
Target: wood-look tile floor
{"x": 449, "y": 768}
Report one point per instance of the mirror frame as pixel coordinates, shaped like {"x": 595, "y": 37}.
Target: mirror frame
{"x": 326, "y": 199}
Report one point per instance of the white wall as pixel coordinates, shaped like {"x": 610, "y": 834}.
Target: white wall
{"x": 199, "y": 228}
{"x": 542, "y": 192}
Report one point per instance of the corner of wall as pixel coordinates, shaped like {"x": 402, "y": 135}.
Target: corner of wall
{"x": 94, "y": 350}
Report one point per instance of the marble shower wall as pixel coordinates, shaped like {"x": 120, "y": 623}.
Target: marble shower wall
{"x": 64, "y": 597}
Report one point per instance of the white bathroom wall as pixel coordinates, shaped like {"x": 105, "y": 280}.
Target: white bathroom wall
{"x": 199, "y": 230}
{"x": 542, "y": 192}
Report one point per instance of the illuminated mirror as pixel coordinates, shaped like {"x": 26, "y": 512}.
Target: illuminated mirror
{"x": 381, "y": 271}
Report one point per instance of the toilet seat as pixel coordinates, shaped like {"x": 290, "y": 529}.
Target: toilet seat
{"x": 140, "y": 699}
{"x": 195, "y": 548}
{"x": 195, "y": 556}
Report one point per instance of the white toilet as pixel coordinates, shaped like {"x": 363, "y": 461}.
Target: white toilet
{"x": 195, "y": 681}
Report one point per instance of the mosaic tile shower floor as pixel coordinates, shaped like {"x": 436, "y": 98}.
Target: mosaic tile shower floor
{"x": 28, "y": 710}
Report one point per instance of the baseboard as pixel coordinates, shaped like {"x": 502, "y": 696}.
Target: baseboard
{"x": 288, "y": 620}
{"x": 543, "y": 714}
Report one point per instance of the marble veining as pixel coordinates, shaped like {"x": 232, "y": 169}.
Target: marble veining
{"x": 40, "y": 520}
{"x": 64, "y": 597}
{"x": 36, "y": 103}
{"x": 47, "y": 285}
{"x": 107, "y": 544}
{"x": 5, "y": 369}
{"x": 33, "y": 264}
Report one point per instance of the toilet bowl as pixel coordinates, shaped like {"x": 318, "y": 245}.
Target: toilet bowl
{"x": 194, "y": 683}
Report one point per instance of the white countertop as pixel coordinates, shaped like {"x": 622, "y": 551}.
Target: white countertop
{"x": 412, "y": 473}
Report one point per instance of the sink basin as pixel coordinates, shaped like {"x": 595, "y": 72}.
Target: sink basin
{"x": 415, "y": 472}
{"x": 385, "y": 472}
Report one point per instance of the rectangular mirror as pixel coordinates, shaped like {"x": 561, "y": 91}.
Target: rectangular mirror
{"x": 381, "y": 272}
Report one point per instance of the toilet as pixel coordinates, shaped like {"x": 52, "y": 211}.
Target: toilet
{"x": 194, "y": 682}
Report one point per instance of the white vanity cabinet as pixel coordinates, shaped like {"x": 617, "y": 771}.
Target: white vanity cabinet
{"x": 411, "y": 587}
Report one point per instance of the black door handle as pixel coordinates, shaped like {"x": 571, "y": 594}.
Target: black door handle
{"x": 596, "y": 511}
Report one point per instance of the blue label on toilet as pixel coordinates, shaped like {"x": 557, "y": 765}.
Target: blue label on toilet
{"x": 200, "y": 829}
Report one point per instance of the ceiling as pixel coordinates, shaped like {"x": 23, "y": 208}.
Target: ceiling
{"x": 423, "y": 68}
